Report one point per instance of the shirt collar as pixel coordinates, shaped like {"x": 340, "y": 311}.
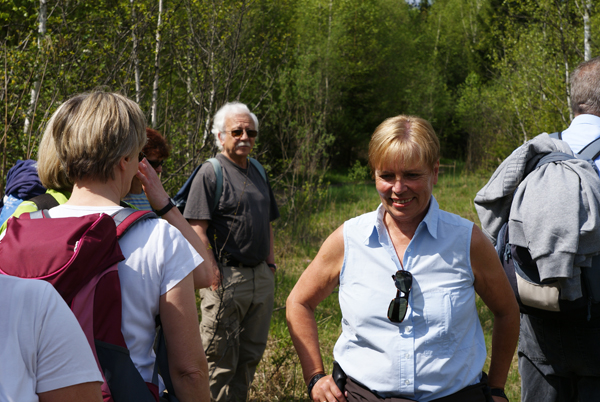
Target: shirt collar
{"x": 430, "y": 221}
{"x": 432, "y": 217}
{"x": 586, "y": 119}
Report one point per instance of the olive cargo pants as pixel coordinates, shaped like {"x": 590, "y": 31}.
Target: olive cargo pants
{"x": 234, "y": 328}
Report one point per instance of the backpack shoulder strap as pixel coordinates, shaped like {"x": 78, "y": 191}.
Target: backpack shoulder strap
{"x": 127, "y": 217}
{"x": 591, "y": 151}
{"x": 554, "y": 157}
{"x": 44, "y": 201}
{"x": 219, "y": 175}
{"x": 260, "y": 168}
{"x": 161, "y": 364}
{"x": 557, "y": 135}
{"x": 180, "y": 199}
{"x": 39, "y": 214}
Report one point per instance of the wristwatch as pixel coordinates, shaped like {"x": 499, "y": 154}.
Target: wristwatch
{"x": 313, "y": 381}
{"x": 498, "y": 392}
{"x": 274, "y": 266}
{"x": 165, "y": 209}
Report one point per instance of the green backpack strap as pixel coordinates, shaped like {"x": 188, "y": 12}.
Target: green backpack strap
{"x": 219, "y": 175}
{"x": 260, "y": 168}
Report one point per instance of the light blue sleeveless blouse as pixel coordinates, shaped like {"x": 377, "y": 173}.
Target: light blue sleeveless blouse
{"x": 439, "y": 348}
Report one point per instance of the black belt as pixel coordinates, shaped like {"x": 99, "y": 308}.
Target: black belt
{"x": 232, "y": 262}
{"x": 473, "y": 393}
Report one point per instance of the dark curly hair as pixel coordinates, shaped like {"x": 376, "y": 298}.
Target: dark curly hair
{"x": 156, "y": 144}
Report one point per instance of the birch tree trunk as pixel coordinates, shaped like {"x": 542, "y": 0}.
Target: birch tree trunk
{"x": 326, "y": 105}
{"x": 587, "y": 36}
{"x": 154, "y": 117}
{"x": 136, "y": 58}
{"x": 36, "y": 85}
{"x": 568, "y": 86}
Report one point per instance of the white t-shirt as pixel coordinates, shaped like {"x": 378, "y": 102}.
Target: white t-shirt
{"x": 157, "y": 257}
{"x": 42, "y": 346}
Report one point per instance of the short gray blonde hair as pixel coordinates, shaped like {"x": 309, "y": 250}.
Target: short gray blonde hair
{"x": 50, "y": 170}
{"x": 230, "y": 108}
{"x": 93, "y": 131}
{"x": 403, "y": 140}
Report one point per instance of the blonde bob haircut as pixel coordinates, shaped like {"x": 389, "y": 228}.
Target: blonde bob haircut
{"x": 403, "y": 141}
{"x": 93, "y": 131}
{"x": 50, "y": 169}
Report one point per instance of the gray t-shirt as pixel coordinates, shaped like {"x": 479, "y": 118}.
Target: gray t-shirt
{"x": 238, "y": 231}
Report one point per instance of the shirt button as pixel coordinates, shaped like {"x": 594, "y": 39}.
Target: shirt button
{"x": 408, "y": 249}
{"x": 407, "y": 356}
{"x": 407, "y": 382}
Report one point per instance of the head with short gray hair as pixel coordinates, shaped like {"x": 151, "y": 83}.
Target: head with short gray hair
{"x": 585, "y": 88}
{"x": 229, "y": 109}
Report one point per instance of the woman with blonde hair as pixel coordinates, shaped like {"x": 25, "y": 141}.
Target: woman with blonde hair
{"x": 98, "y": 138}
{"x": 427, "y": 343}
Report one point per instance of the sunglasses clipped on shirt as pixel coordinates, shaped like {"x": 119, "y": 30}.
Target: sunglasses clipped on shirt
{"x": 399, "y": 305}
{"x": 239, "y": 132}
{"x": 154, "y": 164}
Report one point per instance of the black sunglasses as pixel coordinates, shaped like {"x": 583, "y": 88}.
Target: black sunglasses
{"x": 399, "y": 306}
{"x": 154, "y": 164}
{"x": 239, "y": 132}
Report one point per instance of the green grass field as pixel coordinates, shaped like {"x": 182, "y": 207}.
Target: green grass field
{"x": 279, "y": 375}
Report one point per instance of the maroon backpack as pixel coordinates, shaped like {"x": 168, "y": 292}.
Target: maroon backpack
{"x": 79, "y": 256}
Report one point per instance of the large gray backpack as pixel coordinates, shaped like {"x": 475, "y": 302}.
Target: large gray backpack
{"x": 542, "y": 298}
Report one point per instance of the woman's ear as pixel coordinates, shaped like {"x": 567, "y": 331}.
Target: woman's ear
{"x": 124, "y": 162}
{"x": 436, "y": 171}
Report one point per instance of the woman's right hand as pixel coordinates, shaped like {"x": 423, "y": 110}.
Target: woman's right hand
{"x": 316, "y": 283}
{"x": 155, "y": 192}
{"x": 326, "y": 390}
{"x": 217, "y": 279}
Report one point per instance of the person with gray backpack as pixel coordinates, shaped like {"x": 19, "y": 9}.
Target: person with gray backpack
{"x": 542, "y": 210}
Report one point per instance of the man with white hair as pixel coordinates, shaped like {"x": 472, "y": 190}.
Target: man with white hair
{"x": 236, "y": 310}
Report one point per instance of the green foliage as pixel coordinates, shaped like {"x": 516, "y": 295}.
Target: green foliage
{"x": 320, "y": 74}
{"x": 533, "y": 46}
{"x": 359, "y": 172}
